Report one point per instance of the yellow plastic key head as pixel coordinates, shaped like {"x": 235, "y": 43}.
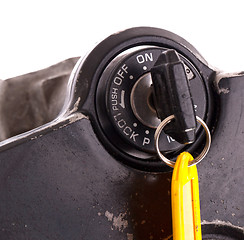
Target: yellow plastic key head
{"x": 185, "y": 200}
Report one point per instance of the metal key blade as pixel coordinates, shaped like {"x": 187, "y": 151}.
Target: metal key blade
{"x": 185, "y": 200}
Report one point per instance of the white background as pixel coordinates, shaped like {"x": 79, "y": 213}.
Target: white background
{"x": 37, "y": 34}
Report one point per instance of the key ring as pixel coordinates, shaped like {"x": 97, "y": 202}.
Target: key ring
{"x": 198, "y": 158}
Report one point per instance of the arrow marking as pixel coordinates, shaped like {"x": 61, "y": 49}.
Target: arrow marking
{"x": 122, "y": 99}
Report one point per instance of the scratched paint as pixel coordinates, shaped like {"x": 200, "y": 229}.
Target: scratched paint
{"x": 119, "y": 222}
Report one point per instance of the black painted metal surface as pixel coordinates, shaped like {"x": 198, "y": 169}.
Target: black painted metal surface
{"x": 64, "y": 185}
{"x": 65, "y": 181}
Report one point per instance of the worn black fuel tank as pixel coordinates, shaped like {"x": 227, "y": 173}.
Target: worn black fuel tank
{"x": 93, "y": 172}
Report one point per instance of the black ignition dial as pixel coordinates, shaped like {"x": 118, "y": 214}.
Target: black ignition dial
{"x": 125, "y": 104}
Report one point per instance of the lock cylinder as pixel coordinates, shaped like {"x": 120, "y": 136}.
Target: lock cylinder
{"x": 127, "y": 108}
{"x": 125, "y": 103}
